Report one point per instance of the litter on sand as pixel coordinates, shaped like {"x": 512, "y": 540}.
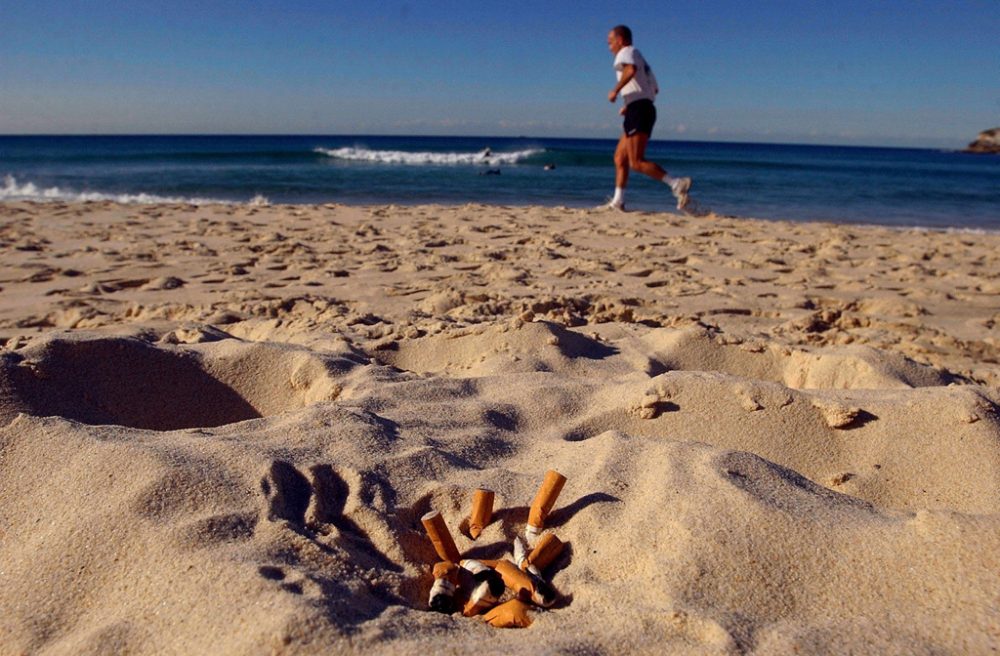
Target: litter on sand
{"x": 501, "y": 591}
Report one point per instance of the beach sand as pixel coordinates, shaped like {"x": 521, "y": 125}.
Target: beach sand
{"x": 220, "y": 426}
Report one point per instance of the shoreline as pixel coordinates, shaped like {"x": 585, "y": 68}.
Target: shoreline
{"x": 262, "y": 201}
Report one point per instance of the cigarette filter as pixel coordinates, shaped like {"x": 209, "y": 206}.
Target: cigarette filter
{"x": 482, "y": 512}
{"x": 545, "y": 552}
{"x": 514, "y": 578}
{"x": 489, "y": 587}
{"x": 511, "y": 614}
{"x": 542, "y": 505}
{"x": 442, "y": 597}
{"x": 526, "y": 585}
{"x": 446, "y": 570}
{"x": 438, "y": 532}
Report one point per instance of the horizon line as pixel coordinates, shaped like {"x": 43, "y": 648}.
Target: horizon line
{"x": 468, "y": 136}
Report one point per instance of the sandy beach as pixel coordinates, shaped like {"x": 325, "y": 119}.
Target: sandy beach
{"x": 220, "y": 426}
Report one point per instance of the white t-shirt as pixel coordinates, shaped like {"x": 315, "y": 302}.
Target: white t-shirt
{"x": 643, "y": 85}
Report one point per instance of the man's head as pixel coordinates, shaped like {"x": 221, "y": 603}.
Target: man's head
{"x": 619, "y": 37}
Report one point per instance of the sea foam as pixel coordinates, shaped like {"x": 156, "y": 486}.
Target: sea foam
{"x": 360, "y": 154}
{"x": 13, "y": 190}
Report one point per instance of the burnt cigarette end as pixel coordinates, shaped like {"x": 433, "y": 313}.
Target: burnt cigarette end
{"x": 443, "y": 604}
{"x": 493, "y": 579}
{"x": 545, "y": 593}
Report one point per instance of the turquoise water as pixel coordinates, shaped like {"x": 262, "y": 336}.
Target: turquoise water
{"x": 903, "y": 187}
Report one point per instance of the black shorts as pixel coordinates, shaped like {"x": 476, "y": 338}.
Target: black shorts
{"x": 640, "y": 116}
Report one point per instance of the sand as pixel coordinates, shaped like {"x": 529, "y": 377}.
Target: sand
{"x": 221, "y": 425}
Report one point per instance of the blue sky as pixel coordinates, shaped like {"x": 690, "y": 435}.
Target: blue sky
{"x": 908, "y": 73}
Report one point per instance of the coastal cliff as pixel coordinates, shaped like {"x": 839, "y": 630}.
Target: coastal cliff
{"x": 987, "y": 142}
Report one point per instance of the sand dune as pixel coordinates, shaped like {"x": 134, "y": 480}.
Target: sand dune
{"x": 220, "y": 427}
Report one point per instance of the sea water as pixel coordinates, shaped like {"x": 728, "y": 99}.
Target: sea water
{"x": 890, "y": 186}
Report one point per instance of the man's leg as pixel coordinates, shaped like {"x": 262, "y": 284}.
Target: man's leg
{"x": 621, "y": 172}
{"x": 621, "y": 162}
{"x": 636, "y": 149}
{"x": 635, "y": 146}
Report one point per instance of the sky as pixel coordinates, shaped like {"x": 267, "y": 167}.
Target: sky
{"x": 891, "y": 72}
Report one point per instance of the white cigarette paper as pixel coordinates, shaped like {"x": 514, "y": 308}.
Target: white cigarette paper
{"x": 482, "y": 596}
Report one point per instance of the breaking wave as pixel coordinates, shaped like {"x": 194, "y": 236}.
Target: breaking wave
{"x": 12, "y": 190}
{"x": 416, "y": 158}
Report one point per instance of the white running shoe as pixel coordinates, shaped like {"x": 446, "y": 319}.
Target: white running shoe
{"x": 680, "y": 187}
{"x": 613, "y": 206}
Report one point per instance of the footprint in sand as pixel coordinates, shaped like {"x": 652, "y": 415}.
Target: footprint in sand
{"x": 313, "y": 504}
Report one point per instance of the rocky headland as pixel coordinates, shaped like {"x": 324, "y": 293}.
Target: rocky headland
{"x": 988, "y": 142}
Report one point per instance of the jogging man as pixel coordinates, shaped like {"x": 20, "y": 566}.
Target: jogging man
{"x": 637, "y": 87}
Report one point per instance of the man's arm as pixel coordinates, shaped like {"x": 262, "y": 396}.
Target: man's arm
{"x": 628, "y": 72}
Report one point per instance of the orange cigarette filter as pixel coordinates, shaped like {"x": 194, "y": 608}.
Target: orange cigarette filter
{"x": 514, "y": 578}
{"x": 479, "y": 601}
{"x": 482, "y": 512}
{"x": 438, "y": 532}
{"x": 546, "y": 551}
{"x": 473, "y": 607}
{"x": 447, "y": 571}
{"x": 542, "y": 505}
{"x": 442, "y": 595}
{"x": 525, "y": 585}
{"x": 511, "y": 614}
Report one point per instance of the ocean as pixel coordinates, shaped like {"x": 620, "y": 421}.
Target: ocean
{"x": 888, "y": 186}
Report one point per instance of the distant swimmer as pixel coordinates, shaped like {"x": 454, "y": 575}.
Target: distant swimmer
{"x": 490, "y": 172}
{"x": 550, "y": 166}
{"x": 638, "y": 88}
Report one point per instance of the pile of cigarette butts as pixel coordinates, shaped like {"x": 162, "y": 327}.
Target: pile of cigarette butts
{"x": 476, "y": 586}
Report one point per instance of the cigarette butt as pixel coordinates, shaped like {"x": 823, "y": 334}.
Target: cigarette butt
{"x": 514, "y": 578}
{"x": 438, "y": 532}
{"x": 488, "y": 590}
{"x": 475, "y": 566}
{"x": 525, "y": 585}
{"x": 546, "y": 551}
{"x": 471, "y": 609}
{"x": 521, "y": 555}
{"x": 446, "y": 570}
{"x": 442, "y": 595}
{"x": 531, "y": 534}
{"x": 511, "y": 614}
{"x": 442, "y": 587}
{"x": 482, "y": 512}
{"x": 545, "y": 499}
{"x": 479, "y": 601}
